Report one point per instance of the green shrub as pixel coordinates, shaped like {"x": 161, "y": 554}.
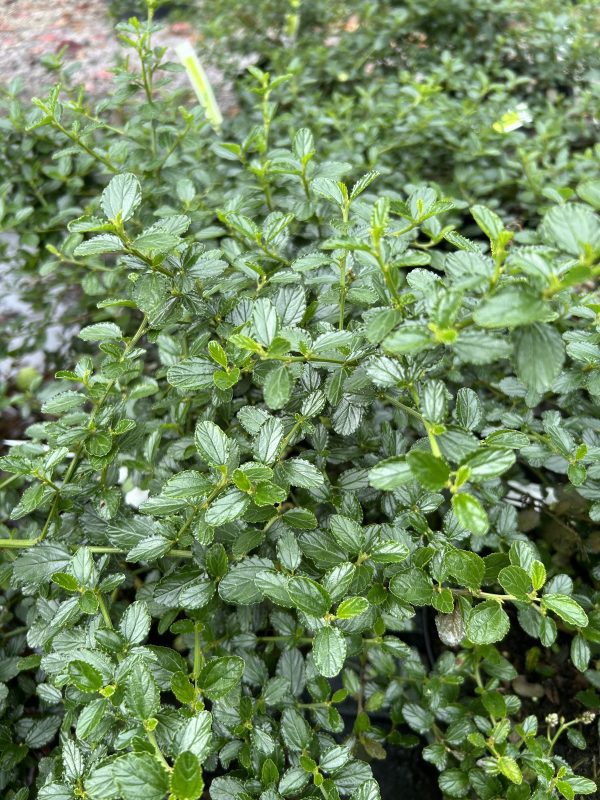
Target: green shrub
{"x": 494, "y": 104}
{"x": 355, "y": 410}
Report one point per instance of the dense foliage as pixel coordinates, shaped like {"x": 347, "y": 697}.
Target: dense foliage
{"x": 314, "y": 405}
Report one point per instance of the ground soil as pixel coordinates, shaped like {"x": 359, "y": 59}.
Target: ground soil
{"x": 30, "y": 29}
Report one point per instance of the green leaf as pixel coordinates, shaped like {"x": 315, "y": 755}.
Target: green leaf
{"x": 33, "y": 497}
{"x": 185, "y": 485}
{"x": 431, "y": 472}
{"x": 274, "y": 585}
{"x": 468, "y": 409}
{"x": 379, "y": 325}
{"x": 154, "y": 242}
{"x": 39, "y": 564}
{"x": 85, "y": 677}
{"x": 413, "y": 587}
{"x": 538, "y": 574}
{"x": 304, "y": 144}
{"x": 368, "y": 791}
{"x": 90, "y": 717}
{"x": 408, "y": 339}
{"x": 142, "y": 697}
{"x": 362, "y": 183}
{"x": 196, "y": 735}
{"x": 566, "y": 608}
{"x": 308, "y": 596}
{"x": 580, "y": 653}
{"x": 192, "y": 375}
{"x": 266, "y": 447}
{"x": 183, "y": 688}
{"x": 269, "y": 494}
{"x": 63, "y": 401}
{"x": 489, "y": 222}
{"x": 135, "y": 622}
{"x": 487, "y": 463}
{"x": 66, "y": 581}
{"x": 389, "y": 552}
{"x": 105, "y": 243}
{"x": 140, "y": 775}
{"x": 329, "y": 189}
{"x": 238, "y": 585}
{"x": 101, "y": 332}
{"x": 566, "y": 790}
{"x": 390, "y": 474}
{"x": 294, "y": 730}
{"x": 494, "y": 703}
{"x": 352, "y": 607}
{"x": 572, "y": 228}
{"x": 299, "y": 472}
{"x": 420, "y": 719}
{"x": 589, "y": 190}
{"x": 581, "y": 785}
{"x": 468, "y": 568}
{"x": 514, "y": 580}
{"x": 212, "y": 444}
{"x": 347, "y": 533}
{"x": 186, "y": 779}
{"x": 454, "y": 783}
{"x": 278, "y": 387}
{"x": 227, "y": 507}
{"x": 329, "y": 651}
{"x": 510, "y": 769}
{"x": 220, "y": 675}
{"x": 265, "y": 321}
{"x": 510, "y": 307}
{"x": 434, "y": 401}
{"x": 84, "y": 568}
{"x": 121, "y": 197}
{"x": 487, "y": 623}
{"x": 539, "y": 356}
{"x": 470, "y": 513}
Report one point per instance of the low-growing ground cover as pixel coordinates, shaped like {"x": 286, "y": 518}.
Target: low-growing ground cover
{"x": 317, "y": 479}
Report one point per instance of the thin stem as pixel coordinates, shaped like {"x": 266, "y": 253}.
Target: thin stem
{"x": 560, "y": 732}
{"x": 218, "y": 488}
{"x": 435, "y": 448}
{"x": 286, "y": 439}
{"x": 300, "y": 640}
{"x": 500, "y": 598}
{"x": 313, "y": 705}
{"x": 158, "y": 752}
{"x": 198, "y": 658}
{"x": 10, "y": 480}
{"x": 342, "y": 292}
{"x": 104, "y": 611}
{"x": 305, "y": 185}
{"x": 264, "y": 107}
{"x": 24, "y": 544}
{"x": 309, "y": 358}
{"x": 388, "y": 277}
{"x": 147, "y": 74}
{"x": 402, "y": 231}
{"x": 403, "y": 407}
{"x": 89, "y": 150}
{"x": 15, "y": 632}
{"x": 77, "y": 457}
{"x": 185, "y": 526}
{"x": 17, "y": 543}
{"x": 180, "y": 137}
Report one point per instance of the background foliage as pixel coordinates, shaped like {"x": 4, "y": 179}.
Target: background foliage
{"x": 347, "y": 348}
